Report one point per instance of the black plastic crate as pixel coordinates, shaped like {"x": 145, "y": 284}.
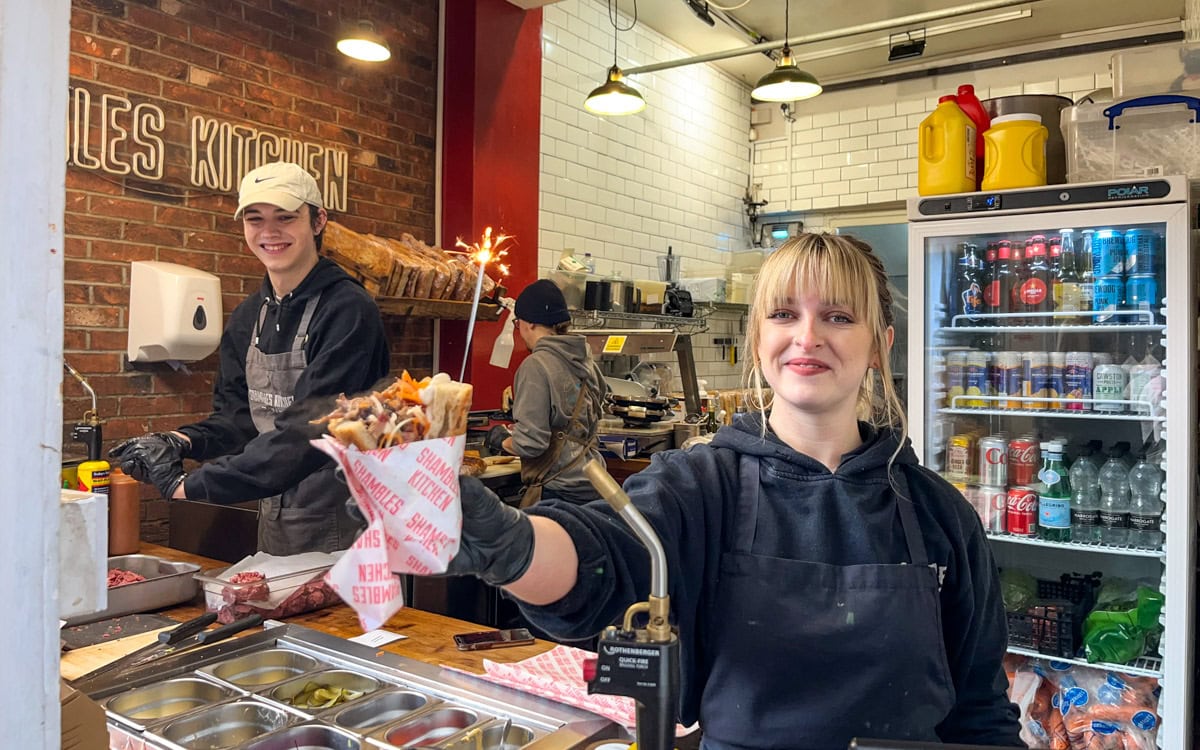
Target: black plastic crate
{"x": 1054, "y": 626}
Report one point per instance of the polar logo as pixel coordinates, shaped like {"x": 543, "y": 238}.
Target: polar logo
{"x": 1129, "y": 191}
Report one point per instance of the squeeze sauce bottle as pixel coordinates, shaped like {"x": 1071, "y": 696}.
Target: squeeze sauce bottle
{"x": 973, "y": 108}
{"x": 946, "y": 151}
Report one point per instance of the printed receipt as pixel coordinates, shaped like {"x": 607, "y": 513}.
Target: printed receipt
{"x": 410, "y": 497}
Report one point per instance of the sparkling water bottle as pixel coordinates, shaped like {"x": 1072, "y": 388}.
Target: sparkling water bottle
{"x": 1114, "y": 500}
{"x": 1054, "y": 495}
{"x": 1085, "y": 498}
{"x": 1145, "y": 505}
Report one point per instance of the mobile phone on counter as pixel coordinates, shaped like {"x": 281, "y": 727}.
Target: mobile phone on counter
{"x": 486, "y": 639}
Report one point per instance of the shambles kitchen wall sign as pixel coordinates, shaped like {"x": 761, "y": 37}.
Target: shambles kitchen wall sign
{"x": 109, "y": 133}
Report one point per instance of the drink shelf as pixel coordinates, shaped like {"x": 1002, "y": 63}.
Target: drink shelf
{"x": 1097, "y": 328}
{"x": 1106, "y": 549}
{"x": 1132, "y": 320}
{"x": 1145, "y": 666}
{"x": 1055, "y": 413}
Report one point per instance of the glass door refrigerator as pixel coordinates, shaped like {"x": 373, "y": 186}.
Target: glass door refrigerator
{"x": 1067, "y": 315}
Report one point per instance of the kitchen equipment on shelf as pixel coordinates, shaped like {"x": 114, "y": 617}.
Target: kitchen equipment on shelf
{"x": 164, "y": 583}
{"x": 1015, "y": 148}
{"x": 1049, "y": 107}
{"x": 639, "y": 412}
{"x": 668, "y": 267}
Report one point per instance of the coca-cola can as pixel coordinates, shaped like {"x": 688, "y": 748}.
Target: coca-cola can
{"x": 1022, "y": 460}
{"x": 1021, "y": 511}
{"x": 993, "y": 461}
{"x": 992, "y": 504}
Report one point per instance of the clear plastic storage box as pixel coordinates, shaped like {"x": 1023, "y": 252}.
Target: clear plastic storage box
{"x": 274, "y": 596}
{"x": 1162, "y": 69}
{"x": 1148, "y": 137}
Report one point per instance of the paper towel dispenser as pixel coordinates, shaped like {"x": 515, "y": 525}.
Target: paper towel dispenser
{"x": 174, "y": 312}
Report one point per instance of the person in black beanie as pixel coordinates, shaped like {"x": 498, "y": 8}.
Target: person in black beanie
{"x": 557, "y": 398}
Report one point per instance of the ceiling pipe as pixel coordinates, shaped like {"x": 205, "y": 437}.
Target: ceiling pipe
{"x": 866, "y": 28}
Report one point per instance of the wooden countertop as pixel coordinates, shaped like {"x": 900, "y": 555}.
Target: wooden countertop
{"x": 428, "y": 634}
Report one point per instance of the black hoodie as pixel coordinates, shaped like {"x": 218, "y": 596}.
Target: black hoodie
{"x": 840, "y": 518}
{"x": 347, "y": 352}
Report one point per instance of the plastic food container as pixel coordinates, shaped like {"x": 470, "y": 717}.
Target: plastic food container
{"x": 275, "y": 597}
{"x": 1153, "y": 136}
{"x": 1162, "y": 69}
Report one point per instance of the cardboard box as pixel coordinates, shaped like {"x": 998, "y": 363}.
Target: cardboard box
{"x": 83, "y": 723}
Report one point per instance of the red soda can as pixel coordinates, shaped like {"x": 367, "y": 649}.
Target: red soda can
{"x": 993, "y": 461}
{"x": 992, "y": 505}
{"x": 1021, "y": 512}
{"x": 1022, "y": 460}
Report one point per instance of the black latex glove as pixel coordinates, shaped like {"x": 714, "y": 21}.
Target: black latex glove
{"x": 497, "y": 539}
{"x": 156, "y": 458}
{"x": 495, "y": 439}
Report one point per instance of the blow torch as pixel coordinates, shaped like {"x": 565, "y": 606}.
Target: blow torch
{"x": 640, "y": 663}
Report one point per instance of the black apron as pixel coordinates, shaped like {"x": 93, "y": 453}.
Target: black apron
{"x": 312, "y": 516}
{"x": 809, "y": 655}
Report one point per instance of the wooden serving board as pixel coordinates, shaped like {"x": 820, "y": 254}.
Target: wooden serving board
{"x": 80, "y": 661}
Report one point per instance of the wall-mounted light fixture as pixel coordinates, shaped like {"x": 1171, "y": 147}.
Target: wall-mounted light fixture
{"x": 787, "y": 82}
{"x": 614, "y": 96}
{"x": 906, "y": 45}
{"x": 362, "y": 42}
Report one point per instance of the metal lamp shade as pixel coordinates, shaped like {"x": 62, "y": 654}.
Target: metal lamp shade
{"x": 614, "y": 97}
{"x": 787, "y": 83}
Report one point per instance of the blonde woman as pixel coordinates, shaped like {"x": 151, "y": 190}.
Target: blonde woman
{"x": 824, "y": 585}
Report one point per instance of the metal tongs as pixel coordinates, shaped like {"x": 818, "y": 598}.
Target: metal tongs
{"x": 184, "y": 637}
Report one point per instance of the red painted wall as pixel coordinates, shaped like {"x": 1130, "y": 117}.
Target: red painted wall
{"x": 491, "y": 129}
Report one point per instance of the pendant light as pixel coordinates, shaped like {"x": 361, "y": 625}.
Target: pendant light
{"x": 364, "y": 43}
{"x": 614, "y": 96}
{"x": 787, "y": 83}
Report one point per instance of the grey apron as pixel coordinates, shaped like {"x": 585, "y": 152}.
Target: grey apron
{"x": 312, "y": 516}
{"x": 809, "y": 655}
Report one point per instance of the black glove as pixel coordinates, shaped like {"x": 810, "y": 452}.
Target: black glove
{"x": 156, "y": 458}
{"x": 495, "y": 439}
{"x": 497, "y": 540}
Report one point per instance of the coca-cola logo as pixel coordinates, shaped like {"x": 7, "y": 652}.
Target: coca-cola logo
{"x": 1022, "y": 454}
{"x": 1025, "y": 502}
{"x": 1033, "y": 291}
{"x": 995, "y": 456}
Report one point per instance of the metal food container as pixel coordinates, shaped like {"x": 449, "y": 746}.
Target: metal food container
{"x": 380, "y": 709}
{"x": 262, "y": 668}
{"x": 162, "y": 700}
{"x": 428, "y": 727}
{"x": 491, "y": 736}
{"x": 166, "y": 583}
{"x": 335, "y": 678}
{"x": 223, "y": 726}
{"x": 307, "y": 737}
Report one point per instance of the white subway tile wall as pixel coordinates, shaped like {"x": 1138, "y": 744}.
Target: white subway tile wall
{"x": 838, "y": 154}
{"x": 626, "y": 188}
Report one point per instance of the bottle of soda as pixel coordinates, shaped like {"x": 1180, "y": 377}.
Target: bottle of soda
{"x": 1036, "y": 282}
{"x": 969, "y": 299}
{"x": 1085, "y": 498}
{"x": 1054, "y": 495}
{"x": 1114, "y": 500}
{"x": 1145, "y": 505}
{"x": 1068, "y": 286}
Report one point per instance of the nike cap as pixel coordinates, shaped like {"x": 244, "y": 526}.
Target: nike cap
{"x": 281, "y": 184}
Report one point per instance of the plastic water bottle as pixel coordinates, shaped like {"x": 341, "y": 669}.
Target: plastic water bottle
{"x": 1085, "y": 498}
{"x": 1114, "y": 500}
{"x": 1145, "y": 505}
{"x": 589, "y": 263}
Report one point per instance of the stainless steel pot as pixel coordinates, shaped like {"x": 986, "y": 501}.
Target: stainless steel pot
{"x": 1049, "y": 107}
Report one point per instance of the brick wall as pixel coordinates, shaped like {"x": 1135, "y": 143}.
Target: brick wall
{"x": 271, "y": 66}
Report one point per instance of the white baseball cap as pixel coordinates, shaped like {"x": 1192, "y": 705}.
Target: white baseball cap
{"x": 281, "y": 184}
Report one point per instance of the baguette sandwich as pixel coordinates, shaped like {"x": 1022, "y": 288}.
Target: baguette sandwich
{"x": 406, "y": 411}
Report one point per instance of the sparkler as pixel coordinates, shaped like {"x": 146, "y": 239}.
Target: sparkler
{"x": 483, "y": 252}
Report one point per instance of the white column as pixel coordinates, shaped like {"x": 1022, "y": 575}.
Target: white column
{"x": 34, "y": 44}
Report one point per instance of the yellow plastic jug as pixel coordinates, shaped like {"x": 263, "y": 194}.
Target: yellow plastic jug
{"x": 1015, "y": 152}
{"x": 946, "y": 145}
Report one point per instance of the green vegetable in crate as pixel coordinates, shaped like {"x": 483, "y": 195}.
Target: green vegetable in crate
{"x": 1018, "y": 588}
{"x": 1120, "y": 636}
{"x": 316, "y": 695}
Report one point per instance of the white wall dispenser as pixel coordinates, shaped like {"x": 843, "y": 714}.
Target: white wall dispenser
{"x": 174, "y": 312}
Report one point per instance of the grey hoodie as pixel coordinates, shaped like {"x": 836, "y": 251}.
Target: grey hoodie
{"x": 544, "y": 394}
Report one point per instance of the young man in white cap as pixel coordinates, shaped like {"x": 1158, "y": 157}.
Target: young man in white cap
{"x": 309, "y": 333}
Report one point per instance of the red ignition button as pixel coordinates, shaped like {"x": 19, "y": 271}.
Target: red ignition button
{"x": 589, "y": 669}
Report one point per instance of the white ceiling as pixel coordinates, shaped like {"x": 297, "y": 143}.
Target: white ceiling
{"x": 1049, "y": 23}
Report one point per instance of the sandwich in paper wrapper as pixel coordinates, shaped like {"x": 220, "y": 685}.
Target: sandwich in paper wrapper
{"x": 400, "y": 449}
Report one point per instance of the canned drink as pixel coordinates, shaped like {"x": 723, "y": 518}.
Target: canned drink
{"x": 992, "y": 505}
{"x": 1008, "y": 378}
{"x": 977, "y": 379}
{"x": 1021, "y": 506}
{"x": 1108, "y": 387}
{"x": 1108, "y": 296}
{"x": 1141, "y": 251}
{"x": 1035, "y": 379}
{"x": 1145, "y": 388}
{"x": 1057, "y": 373}
{"x": 956, "y": 377}
{"x": 1141, "y": 293}
{"x": 960, "y": 458}
{"x": 1108, "y": 249}
{"x": 1077, "y": 377}
{"x": 993, "y": 461}
{"x": 1022, "y": 460}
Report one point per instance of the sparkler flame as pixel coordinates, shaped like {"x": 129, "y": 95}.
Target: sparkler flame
{"x": 488, "y": 249}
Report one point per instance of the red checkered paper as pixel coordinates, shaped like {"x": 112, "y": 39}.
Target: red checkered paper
{"x": 410, "y": 497}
